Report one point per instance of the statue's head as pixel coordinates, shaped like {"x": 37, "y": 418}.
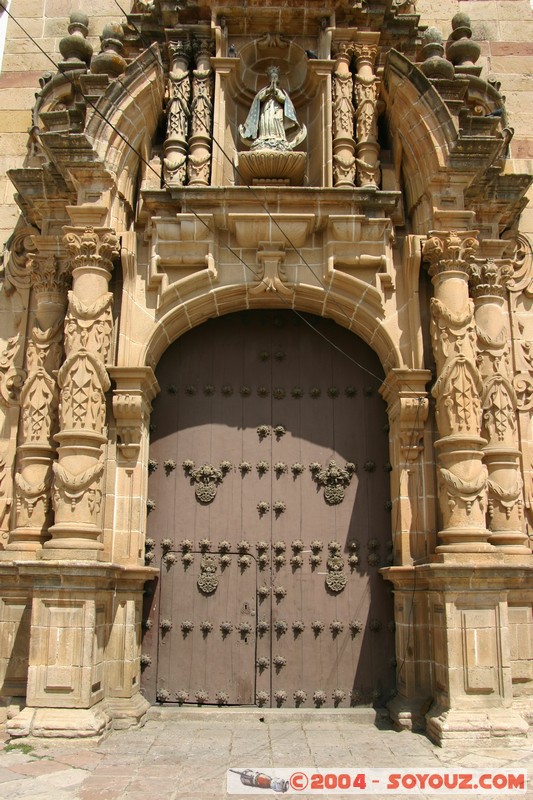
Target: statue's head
{"x": 273, "y": 73}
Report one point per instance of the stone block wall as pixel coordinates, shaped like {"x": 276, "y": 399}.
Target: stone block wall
{"x": 504, "y": 31}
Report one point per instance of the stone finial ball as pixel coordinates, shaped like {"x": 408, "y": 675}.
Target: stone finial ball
{"x": 432, "y": 36}
{"x": 460, "y": 20}
{"x": 113, "y": 30}
{"x": 78, "y": 17}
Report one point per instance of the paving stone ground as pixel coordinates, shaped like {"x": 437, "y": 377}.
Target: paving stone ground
{"x": 185, "y": 753}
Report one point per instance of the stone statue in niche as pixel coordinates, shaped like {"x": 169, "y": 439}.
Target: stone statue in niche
{"x": 272, "y": 132}
{"x": 271, "y": 118}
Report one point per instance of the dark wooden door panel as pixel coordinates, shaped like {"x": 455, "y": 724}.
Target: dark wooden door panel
{"x": 263, "y": 389}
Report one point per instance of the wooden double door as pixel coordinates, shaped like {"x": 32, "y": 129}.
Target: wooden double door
{"x": 269, "y": 516}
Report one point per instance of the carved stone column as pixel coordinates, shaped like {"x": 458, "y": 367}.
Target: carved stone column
{"x": 199, "y": 160}
{"x": 178, "y": 115}
{"x": 366, "y": 111}
{"x": 343, "y": 118}
{"x": 83, "y": 381}
{"x": 499, "y": 404}
{"x": 462, "y": 476}
{"x": 39, "y": 402}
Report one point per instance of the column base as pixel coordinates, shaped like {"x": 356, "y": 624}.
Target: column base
{"x": 126, "y": 712}
{"x": 70, "y": 554}
{"x": 409, "y": 714}
{"x": 450, "y": 728}
{"x": 61, "y": 723}
{"x": 79, "y": 723}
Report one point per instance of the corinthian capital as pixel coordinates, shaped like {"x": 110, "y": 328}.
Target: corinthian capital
{"x": 450, "y": 251}
{"x": 365, "y": 52}
{"x": 490, "y": 277}
{"x": 91, "y": 247}
{"x": 47, "y": 275}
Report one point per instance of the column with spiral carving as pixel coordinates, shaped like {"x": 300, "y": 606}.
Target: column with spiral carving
{"x": 499, "y": 407}
{"x": 83, "y": 381}
{"x": 178, "y": 115}
{"x": 462, "y": 475}
{"x": 366, "y": 111}
{"x": 39, "y": 402}
{"x": 199, "y": 160}
{"x": 343, "y": 117}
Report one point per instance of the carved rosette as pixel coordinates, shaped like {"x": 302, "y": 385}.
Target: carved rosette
{"x": 199, "y": 159}
{"x": 83, "y": 381}
{"x": 178, "y": 115}
{"x": 462, "y": 476}
{"x": 490, "y": 279}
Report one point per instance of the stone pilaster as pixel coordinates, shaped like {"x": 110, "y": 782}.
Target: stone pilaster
{"x": 39, "y": 402}
{"x": 462, "y": 476}
{"x": 499, "y": 404}
{"x": 366, "y": 110}
{"x": 408, "y": 408}
{"x": 199, "y": 159}
{"x": 343, "y": 117}
{"x": 83, "y": 381}
{"x": 178, "y": 115}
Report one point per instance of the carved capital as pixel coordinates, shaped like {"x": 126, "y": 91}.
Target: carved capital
{"x": 132, "y": 398}
{"x": 47, "y": 275}
{"x": 365, "y": 53}
{"x": 93, "y": 248}
{"x": 344, "y": 50}
{"x": 180, "y": 52}
{"x": 450, "y": 251}
{"x": 408, "y": 407}
{"x": 491, "y": 277}
{"x": 203, "y": 47}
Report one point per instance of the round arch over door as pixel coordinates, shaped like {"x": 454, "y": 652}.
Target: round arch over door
{"x": 269, "y": 517}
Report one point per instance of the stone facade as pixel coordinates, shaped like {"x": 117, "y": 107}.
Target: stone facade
{"x": 127, "y": 222}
